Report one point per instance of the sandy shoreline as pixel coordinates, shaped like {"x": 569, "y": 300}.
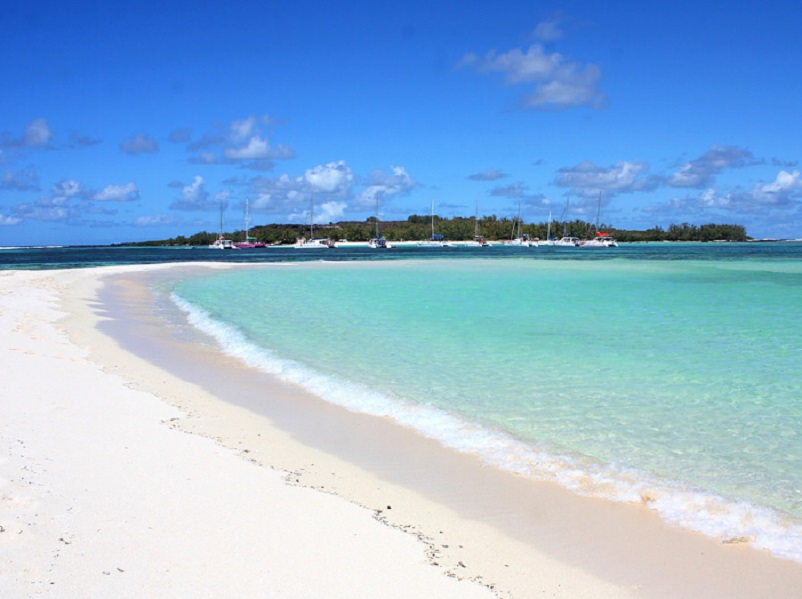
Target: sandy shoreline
{"x": 104, "y": 493}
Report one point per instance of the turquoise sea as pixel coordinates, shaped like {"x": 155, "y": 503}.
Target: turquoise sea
{"x": 663, "y": 374}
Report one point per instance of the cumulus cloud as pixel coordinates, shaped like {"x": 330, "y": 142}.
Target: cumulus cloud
{"x": 9, "y": 220}
{"x": 711, "y": 198}
{"x": 556, "y": 82}
{"x": 334, "y": 188}
{"x": 139, "y": 144}
{"x": 69, "y": 200}
{"x": 195, "y": 197}
{"x": 37, "y": 134}
{"x": 257, "y": 148}
{"x": 383, "y": 186}
{"x": 783, "y": 193}
{"x": 588, "y": 180}
{"x": 118, "y": 193}
{"x": 784, "y": 190}
{"x": 700, "y": 172}
{"x": 329, "y": 212}
{"x": 44, "y": 209}
{"x": 68, "y": 188}
{"x": 244, "y": 141}
{"x": 547, "y": 31}
{"x": 333, "y": 178}
{"x": 245, "y": 128}
{"x": 491, "y": 174}
{"x": 572, "y": 86}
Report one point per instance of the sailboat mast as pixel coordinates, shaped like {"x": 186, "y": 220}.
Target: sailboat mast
{"x": 247, "y": 220}
{"x": 377, "y": 216}
{"x": 598, "y": 212}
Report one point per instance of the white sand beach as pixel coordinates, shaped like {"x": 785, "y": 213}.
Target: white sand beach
{"x": 187, "y": 474}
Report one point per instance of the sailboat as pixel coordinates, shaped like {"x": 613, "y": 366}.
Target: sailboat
{"x": 322, "y": 243}
{"x": 221, "y": 243}
{"x": 566, "y": 240}
{"x": 249, "y": 242}
{"x": 550, "y": 241}
{"x": 478, "y": 239}
{"x": 378, "y": 242}
{"x": 436, "y": 240}
{"x": 518, "y": 239}
{"x": 602, "y": 238}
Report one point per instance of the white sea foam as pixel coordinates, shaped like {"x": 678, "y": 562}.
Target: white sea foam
{"x": 718, "y": 517}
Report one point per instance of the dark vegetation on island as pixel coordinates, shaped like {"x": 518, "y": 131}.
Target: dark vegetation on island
{"x": 418, "y": 227}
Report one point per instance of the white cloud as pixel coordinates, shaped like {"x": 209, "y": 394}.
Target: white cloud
{"x": 118, "y": 193}
{"x": 329, "y": 212}
{"x": 333, "y": 185}
{"x": 558, "y": 82}
{"x": 243, "y": 141}
{"x": 547, "y": 31}
{"x": 588, "y": 180}
{"x": 195, "y": 197}
{"x": 155, "y": 220}
{"x": 67, "y": 188}
{"x": 571, "y": 86}
{"x": 521, "y": 67}
{"x": 701, "y": 171}
{"x": 195, "y": 191}
{"x": 781, "y": 191}
{"x": 782, "y": 195}
{"x": 241, "y": 130}
{"x": 37, "y": 134}
{"x": 257, "y": 149}
{"x": 9, "y": 220}
{"x": 333, "y": 178}
{"x": 384, "y": 186}
{"x": 254, "y": 149}
{"x": 710, "y": 198}
{"x": 43, "y": 211}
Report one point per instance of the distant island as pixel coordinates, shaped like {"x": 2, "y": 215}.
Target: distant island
{"x": 418, "y": 227}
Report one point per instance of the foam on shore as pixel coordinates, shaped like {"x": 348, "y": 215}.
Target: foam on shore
{"x": 720, "y": 518}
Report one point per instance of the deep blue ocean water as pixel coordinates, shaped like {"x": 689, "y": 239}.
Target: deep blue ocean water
{"x": 664, "y": 373}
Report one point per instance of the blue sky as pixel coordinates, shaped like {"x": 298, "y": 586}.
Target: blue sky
{"x": 135, "y": 122}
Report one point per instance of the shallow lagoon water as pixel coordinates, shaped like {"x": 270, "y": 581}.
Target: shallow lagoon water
{"x": 673, "y": 382}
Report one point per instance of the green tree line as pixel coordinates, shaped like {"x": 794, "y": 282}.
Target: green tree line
{"x": 459, "y": 228}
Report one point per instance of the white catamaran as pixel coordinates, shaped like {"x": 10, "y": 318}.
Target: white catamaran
{"x": 321, "y": 243}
